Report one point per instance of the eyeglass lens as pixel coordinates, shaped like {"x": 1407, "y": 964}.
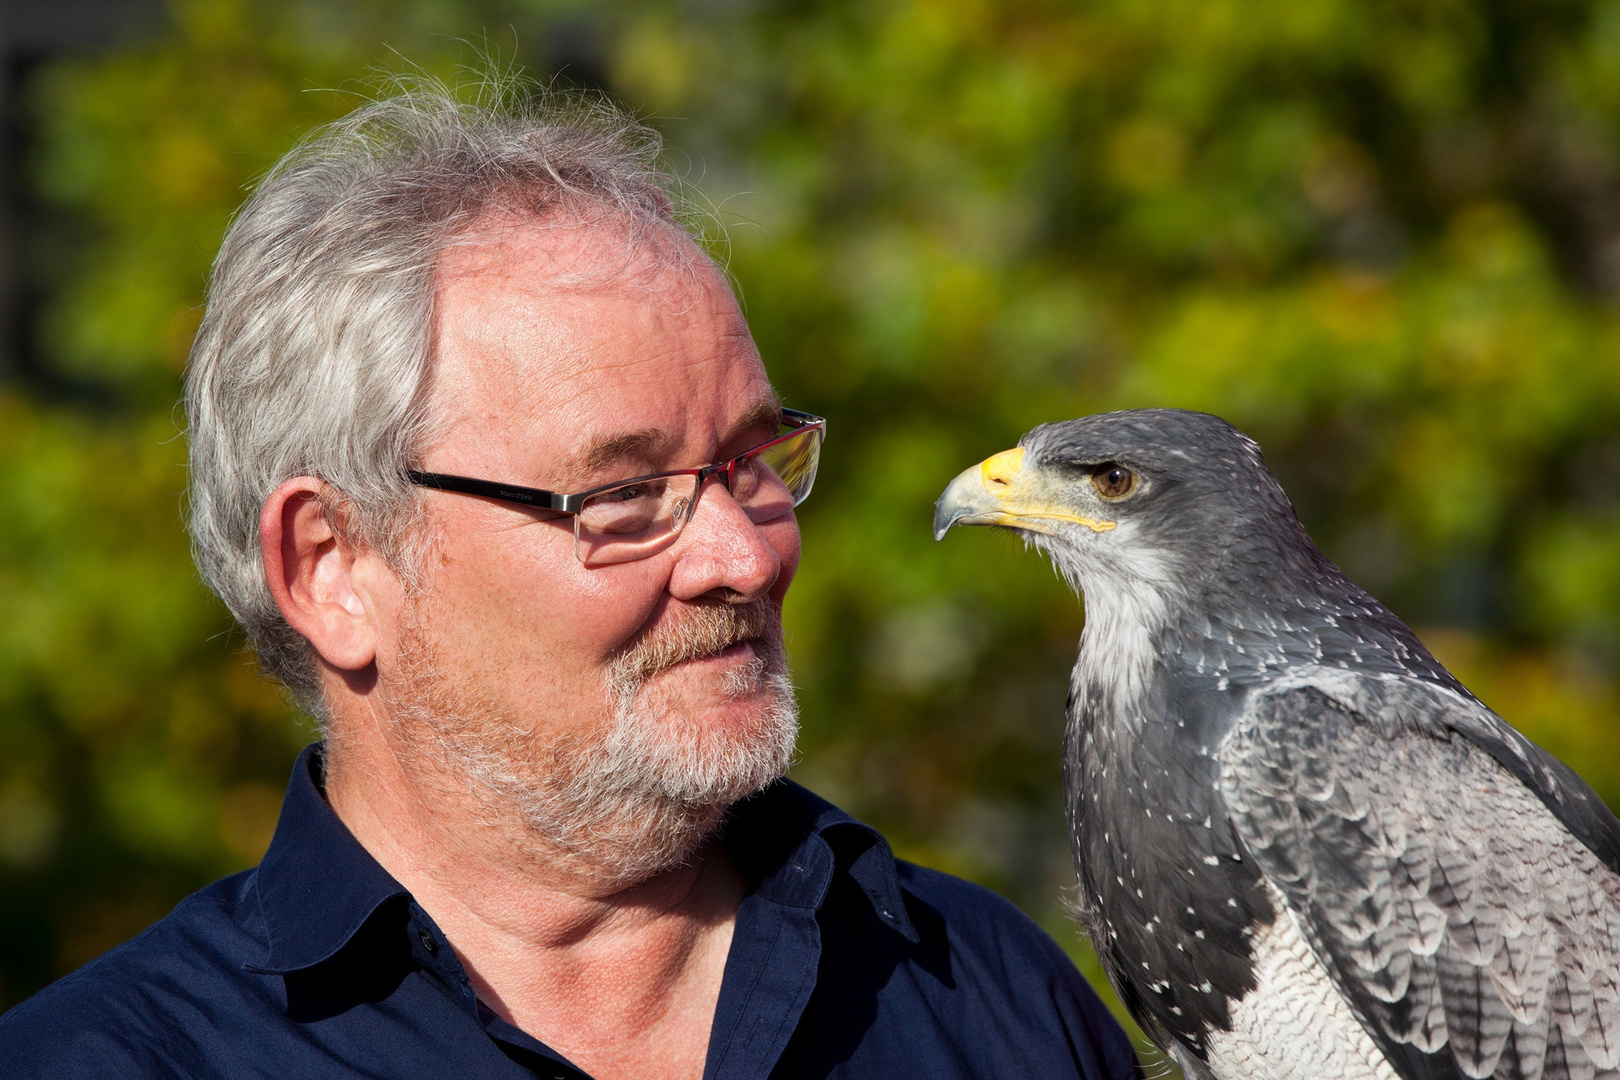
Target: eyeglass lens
{"x": 633, "y": 520}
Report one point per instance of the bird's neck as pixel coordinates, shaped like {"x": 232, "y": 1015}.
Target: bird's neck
{"x": 1121, "y": 647}
{"x": 1226, "y": 630}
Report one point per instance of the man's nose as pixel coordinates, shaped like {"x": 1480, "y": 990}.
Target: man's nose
{"x": 721, "y": 549}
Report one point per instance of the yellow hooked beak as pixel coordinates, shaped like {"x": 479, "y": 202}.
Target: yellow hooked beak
{"x": 1000, "y": 491}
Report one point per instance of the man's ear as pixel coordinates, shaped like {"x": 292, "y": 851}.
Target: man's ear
{"x": 323, "y": 583}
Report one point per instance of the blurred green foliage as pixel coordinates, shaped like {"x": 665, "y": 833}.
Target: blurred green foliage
{"x": 1383, "y": 237}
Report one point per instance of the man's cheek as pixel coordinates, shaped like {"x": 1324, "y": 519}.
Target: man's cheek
{"x": 612, "y": 614}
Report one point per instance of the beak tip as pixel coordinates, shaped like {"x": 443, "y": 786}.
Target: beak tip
{"x": 965, "y": 500}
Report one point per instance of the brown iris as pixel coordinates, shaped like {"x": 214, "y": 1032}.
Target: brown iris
{"x": 1113, "y": 480}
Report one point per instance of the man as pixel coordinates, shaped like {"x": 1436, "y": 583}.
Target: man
{"x": 486, "y": 464}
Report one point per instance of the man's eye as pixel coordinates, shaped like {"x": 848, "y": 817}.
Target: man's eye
{"x": 647, "y": 489}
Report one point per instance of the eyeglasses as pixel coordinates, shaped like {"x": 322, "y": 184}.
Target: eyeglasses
{"x": 635, "y": 518}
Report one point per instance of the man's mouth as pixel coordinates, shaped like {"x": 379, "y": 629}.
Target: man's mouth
{"x": 721, "y": 636}
{"x": 745, "y": 647}
{"x": 738, "y": 651}
{"x": 736, "y": 671}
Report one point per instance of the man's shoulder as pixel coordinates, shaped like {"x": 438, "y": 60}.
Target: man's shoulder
{"x": 983, "y": 930}
{"x": 1014, "y": 977}
{"x": 958, "y": 893}
{"x": 115, "y": 1015}
{"x": 977, "y": 917}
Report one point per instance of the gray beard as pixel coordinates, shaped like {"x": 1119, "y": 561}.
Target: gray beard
{"x": 639, "y": 797}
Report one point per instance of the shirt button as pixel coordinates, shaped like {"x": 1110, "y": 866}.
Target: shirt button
{"x": 428, "y": 943}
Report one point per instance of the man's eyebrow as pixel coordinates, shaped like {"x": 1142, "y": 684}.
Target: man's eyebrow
{"x": 642, "y": 444}
{"x": 645, "y": 444}
{"x": 766, "y": 414}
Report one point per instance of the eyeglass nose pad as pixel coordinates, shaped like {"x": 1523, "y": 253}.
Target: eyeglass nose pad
{"x": 682, "y": 511}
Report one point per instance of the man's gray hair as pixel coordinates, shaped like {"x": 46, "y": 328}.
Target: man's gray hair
{"x": 313, "y": 354}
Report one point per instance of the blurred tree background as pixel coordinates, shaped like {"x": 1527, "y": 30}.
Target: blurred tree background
{"x": 1382, "y": 236}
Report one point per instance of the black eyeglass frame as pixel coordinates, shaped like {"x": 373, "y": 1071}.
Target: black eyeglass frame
{"x": 572, "y": 503}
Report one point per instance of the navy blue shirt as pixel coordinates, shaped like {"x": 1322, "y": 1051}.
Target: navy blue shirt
{"x": 845, "y": 963}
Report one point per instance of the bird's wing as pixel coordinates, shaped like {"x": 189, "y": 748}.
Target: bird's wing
{"x": 1472, "y": 932}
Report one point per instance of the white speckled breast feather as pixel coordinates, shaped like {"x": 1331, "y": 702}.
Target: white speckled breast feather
{"x": 1295, "y": 1025}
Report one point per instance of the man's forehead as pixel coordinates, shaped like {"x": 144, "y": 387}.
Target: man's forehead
{"x": 617, "y": 353}
{"x": 513, "y": 280}
{"x": 578, "y": 250}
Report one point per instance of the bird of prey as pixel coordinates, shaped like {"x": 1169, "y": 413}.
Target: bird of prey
{"x": 1305, "y": 851}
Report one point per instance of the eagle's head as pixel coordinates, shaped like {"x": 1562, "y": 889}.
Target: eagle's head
{"x": 1176, "y": 532}
{"x": 1150, "y": 498}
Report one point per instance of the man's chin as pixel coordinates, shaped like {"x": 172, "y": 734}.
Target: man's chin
{"x": 711, "y": 730}
{"x": 680, "y": 751}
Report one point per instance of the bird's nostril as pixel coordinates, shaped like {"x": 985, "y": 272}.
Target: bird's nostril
{"x": 997, "y": 473}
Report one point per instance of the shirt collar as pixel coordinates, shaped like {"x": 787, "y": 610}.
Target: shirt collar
{"x": 318, "y": 886}
{"x": 791, "y": 843}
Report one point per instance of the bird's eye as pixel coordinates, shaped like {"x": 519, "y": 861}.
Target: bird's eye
{"x": 1113, "y": 480}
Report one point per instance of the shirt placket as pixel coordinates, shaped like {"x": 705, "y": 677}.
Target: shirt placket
{"x": 771, "y": 970}
{"x": 434, "y": 954}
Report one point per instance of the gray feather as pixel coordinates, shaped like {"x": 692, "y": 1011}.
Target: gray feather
{"x": 1450, "y": 904}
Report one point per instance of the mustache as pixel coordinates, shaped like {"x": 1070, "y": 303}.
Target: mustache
{"x": 708, "y": 628}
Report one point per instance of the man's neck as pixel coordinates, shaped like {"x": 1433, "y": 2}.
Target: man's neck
{"x": 615, "y": 977}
